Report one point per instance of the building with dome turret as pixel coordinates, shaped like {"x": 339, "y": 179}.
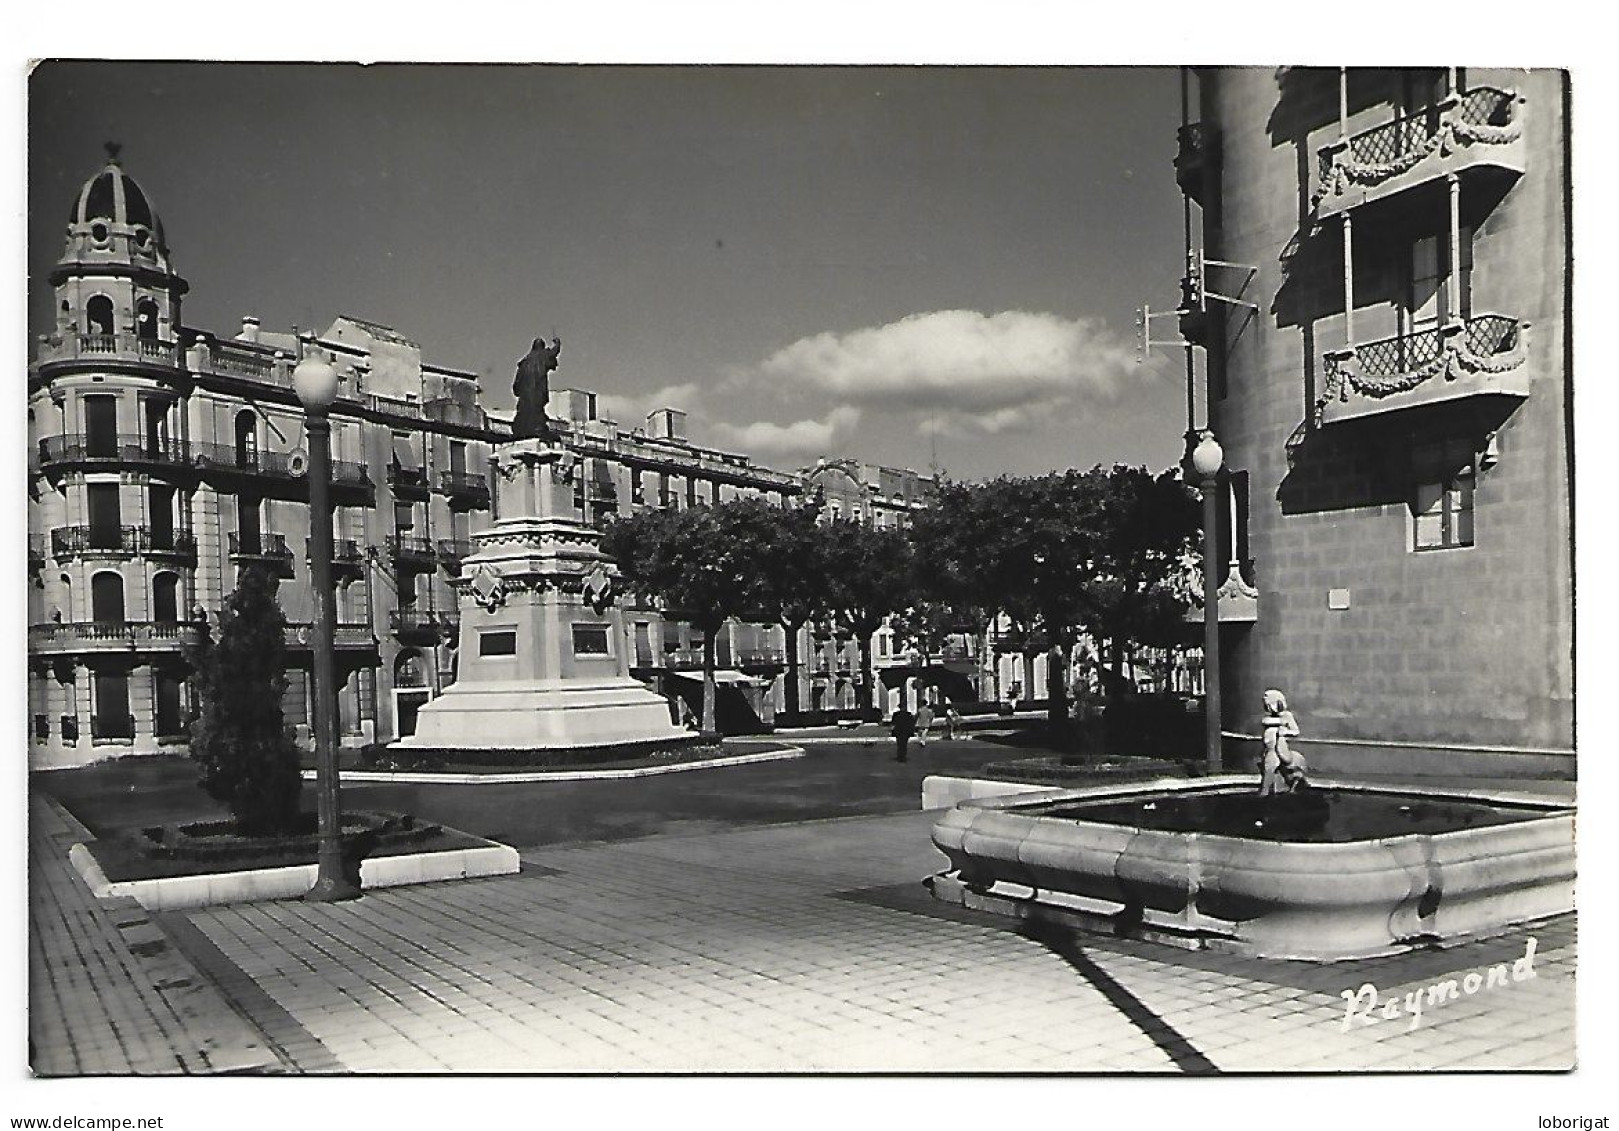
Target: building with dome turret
{"x": 164, "y": 458}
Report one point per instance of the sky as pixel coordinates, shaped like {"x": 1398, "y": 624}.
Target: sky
{"x": 912, "y": 266}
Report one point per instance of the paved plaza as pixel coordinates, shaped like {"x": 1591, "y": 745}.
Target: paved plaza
{"x": 800, "y": 946}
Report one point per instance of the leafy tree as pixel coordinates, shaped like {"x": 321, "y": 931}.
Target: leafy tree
{"x": 701, "y": 563}
{"x": 794, "y": 566}
{"x": 868, "y": 576}
{"x": 239, "y": 736}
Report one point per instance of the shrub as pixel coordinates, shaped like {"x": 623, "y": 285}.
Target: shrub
{"x": 239, "y": 737}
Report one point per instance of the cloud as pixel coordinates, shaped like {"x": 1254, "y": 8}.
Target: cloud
{"x": 800, "y": 439}
{"x": 964, "y": 371}
{"x": 631, "y": 409}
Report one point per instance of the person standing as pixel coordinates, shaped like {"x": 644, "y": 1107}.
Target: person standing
{"x": 951, "y": 721}
{"x": 902, "y": 725}
{"x": 924, "y": 721}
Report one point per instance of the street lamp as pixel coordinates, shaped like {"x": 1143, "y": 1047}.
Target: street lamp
{"x": 314, "y": 379}
{"x": 1207, "y": 460}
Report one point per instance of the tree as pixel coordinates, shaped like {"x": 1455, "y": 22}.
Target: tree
{"x": 700, "y": 563}
{"x": 868, "y": 576}
{"x": 239, "y": 736}
{"x": 793, "y": 562}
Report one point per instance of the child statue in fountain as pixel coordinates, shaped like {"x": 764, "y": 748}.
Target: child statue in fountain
{"x": 1280, "y": 769}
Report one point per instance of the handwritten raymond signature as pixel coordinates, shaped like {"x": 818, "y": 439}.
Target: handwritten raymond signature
{"x": 1366, "y": 1006}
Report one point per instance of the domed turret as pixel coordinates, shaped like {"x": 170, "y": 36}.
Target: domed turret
{"x": 114, "y": 276}
{"x": 112, "y": 219}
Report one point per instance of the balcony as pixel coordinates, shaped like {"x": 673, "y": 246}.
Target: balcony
{"x": 346, "y": 553}
{"x": 92, "y": 542}
{"x": 346, "y": 636}
{"x": 423, "y": 623}
{"x": 1481, "y": 129}
{"x": 246, "y": 362}
{"x": 273, "y": 465}
{"x": 451, "y": 552}
{"x": 409, "y": 551}
{"x": 761, "y": 658}
{"x": 122, "y": 450}
{"x": 110, "y": 636}
{"x": 261, "y": 549}
{"x": 1196, "y": 159}
{"x": 1483, "y": 357}
{"x": 101, "y": 349}
{"x": 407, "y": 480}
{"x": 464, "y": 486}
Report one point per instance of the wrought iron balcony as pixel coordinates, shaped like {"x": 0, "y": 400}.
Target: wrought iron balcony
{"x": 273, "y": 465}
{"x": 115, "y": 450}
{"x": 404, "y": 479}
{"x": 466, "y": 485}
{"x": 91, "y": 541}
{"x": 1481, "y": 128}
{"x": 110, "y": 635}
{"x": 1485, "y": 356}
{"x": 266, "y": 549}
{"x": 346, "y": 552}
{"x": 409, "y": 550}
{"x": 108, "y": 348}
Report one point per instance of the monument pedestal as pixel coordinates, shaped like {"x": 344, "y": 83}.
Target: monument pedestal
{"x": 543, "y": 659}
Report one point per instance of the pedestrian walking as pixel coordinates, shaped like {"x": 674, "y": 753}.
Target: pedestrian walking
{"x": 924, "y": 721}
{"x": 902, "y": 725}
{"x": 951, "y": 721}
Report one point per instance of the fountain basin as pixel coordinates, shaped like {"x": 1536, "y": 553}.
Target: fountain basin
{"x": 1341, "y": 872}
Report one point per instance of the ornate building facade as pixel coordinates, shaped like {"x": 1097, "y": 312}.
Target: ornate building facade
{"x": 1381, "y": 290}
{"x": 164, "y": 458}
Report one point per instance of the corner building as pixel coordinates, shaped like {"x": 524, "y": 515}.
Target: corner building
{"x": 1395, "y": 408}
{"x": 164, "y": 458}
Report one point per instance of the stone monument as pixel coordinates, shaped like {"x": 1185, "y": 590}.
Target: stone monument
{"x": 543, "y": 661}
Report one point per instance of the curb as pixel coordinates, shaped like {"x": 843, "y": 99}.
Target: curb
{"x": 395, "y": 777}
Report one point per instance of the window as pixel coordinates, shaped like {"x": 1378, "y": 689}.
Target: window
{"x": 1429, "y": 299}
{"x": 1442, "y": 500}
{"x": 591, "y": 640}
{"x": 497, "y": 643}
{"x": 98, "y": 315}
{"x": 101, "y": 427}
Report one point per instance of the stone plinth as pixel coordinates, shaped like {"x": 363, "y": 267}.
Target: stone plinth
{"x": 543, "y": 661}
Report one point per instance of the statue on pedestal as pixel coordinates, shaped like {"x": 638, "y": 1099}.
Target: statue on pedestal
{"x": 532, "y": 386}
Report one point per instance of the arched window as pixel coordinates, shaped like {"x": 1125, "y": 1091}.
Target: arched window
{"x": 408, "y": 670}
{"x": 166, "y": 598}
{"x": 98, "y": 315}
{"x": 247, "y": 439}
{"x": 107, "y": 598}
{"x": 146, "y": 320}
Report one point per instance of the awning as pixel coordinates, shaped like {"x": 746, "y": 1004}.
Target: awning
{"x": 721, "y": 675}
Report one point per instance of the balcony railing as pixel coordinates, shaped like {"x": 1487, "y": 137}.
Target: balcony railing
{"x": 424, "y": 622}
{"x": 346, "y": 552}
{"x": 463, "y": 484}
{"x": 274, "y": 465}
{"x": 1484, "y": 355}
{"x": 108, "y": 347}
{"x": 408, "y": 549}
{"x": 402, "y": 478}
{"x": 271, "y": 549}
{"x": 121, "y": 542}
{"x": 97, "y": 634}
{"x": 1479, "y": 126}
{"x": 234, "y": 359}
{"x": 119, "y": 449}
{"x": 345, "y": 634}
{"x": 761, "y": 657}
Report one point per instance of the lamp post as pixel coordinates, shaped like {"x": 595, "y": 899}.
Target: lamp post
{"x": 315, "y": 381}
{"x": 1207, "y": 459}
